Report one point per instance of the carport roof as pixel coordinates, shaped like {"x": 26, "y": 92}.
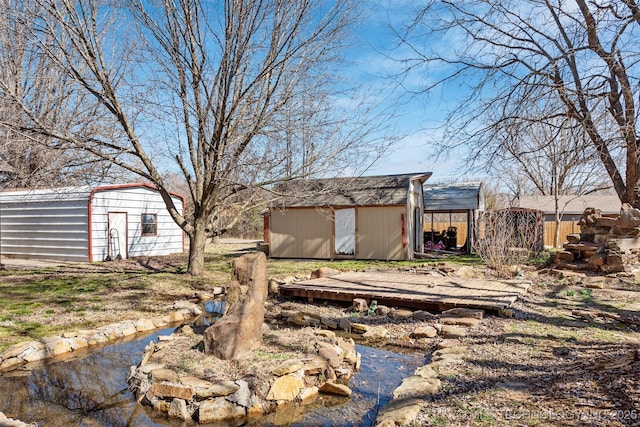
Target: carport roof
{"x": 380, "y": 190}
{"x": 461, "y": 196}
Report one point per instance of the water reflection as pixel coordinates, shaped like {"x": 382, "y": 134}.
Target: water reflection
{"x": 87, "y": 391}
{"x": 213, "y": 310}
{"x": 92, "y": 391}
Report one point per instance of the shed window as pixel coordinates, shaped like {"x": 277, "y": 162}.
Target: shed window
{"x": 149, "y": 224}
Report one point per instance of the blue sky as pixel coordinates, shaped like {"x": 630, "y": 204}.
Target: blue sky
{"x": 418, "y": 116}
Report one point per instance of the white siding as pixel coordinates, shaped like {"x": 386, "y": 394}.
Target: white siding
{"x": 54, "y": 224}
{"x": 45, "y": 224}
{"x": 135, "y": 201}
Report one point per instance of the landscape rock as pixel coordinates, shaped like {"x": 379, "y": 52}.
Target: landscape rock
{"x": 416, "y": 386}
{"x": 330, "y": 352}
{"x": 376, "y": 333}
{"x": 242, "y": 396}
{"x": 424, "y": 332}
{"x": 178, "y": 409}
{"x": 56, "y": 346}
{"x": 329, "y": 323}
{"x": 165, "y": 375}
{"x": 11, "y": 363}
{"x": 401, "y": 412}
{"x": 18, "y": 349}
{"x": 195, "y": 383}
{"x": 285, "y": 388}
{"x": 629, "y": 216}
{"x": 426, "y": 371}
{"x": 345, "y": 324}
{"x": 324, "y": 333}
{"x": 170, "y": 391}
{"x": 463, "y": 312}
{"x": 448, "y": 343}
{"x": 452, "y": 331}
{"x": 359, "y": 305}
{"x": 144, "y": 325}
{"x": 308, "y": 393}
{"x": 400, "y": 313}
{"x": 219, "y": 409}
{"x": 240, "y": 328}
{"x": 424, "y": 315}
{"x": 315, "y": 365}
{"x": 222, "y": 388}
{"x": 460, "y": 321}
{"x": 382, "y": 310}
{"x": 360, "y": 328}
{"x": 287, "y": 367}
{"x": 337, "y": 389}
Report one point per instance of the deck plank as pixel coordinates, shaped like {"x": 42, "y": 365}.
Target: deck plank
{"x": 413, "y": 290}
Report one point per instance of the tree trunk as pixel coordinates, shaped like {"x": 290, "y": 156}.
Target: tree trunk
{"x": 197, "y": 242}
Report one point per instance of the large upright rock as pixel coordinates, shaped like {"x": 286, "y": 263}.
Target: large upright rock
{"x": 629, "y": 217}
{"x": 240, "y": 328}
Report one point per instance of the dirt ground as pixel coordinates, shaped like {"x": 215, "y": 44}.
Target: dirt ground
{"x": 563, "y": 354}
{"x": 566, "y": 353}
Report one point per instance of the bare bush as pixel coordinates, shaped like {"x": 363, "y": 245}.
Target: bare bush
{"x": 509, "y": 237}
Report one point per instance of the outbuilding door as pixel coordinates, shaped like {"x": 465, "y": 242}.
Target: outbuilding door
{"x": 117, "y": 235}
{"x": 345, "y": 231}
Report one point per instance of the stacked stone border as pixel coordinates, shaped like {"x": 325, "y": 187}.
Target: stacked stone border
{"x": 67, "y": 343}
{"x": 410, "y": 396}
{"x": 295, "y": 381}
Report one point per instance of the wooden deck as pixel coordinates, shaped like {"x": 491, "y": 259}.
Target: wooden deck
{"x": 411, "y": 290}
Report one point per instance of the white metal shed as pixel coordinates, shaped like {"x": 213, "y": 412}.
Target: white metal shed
{"x": 87, "y": 224}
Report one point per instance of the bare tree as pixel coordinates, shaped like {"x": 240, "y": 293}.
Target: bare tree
{"x": 572, "y": 62}
{"x": 32, "y": 163}
{"x": 234, "y": 95}
{"x": 551, "y": 158}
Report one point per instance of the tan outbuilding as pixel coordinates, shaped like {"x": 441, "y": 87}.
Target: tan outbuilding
{"x": 368, "y": 217}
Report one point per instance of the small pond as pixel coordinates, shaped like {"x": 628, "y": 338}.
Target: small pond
{"x": 92, "y": 391}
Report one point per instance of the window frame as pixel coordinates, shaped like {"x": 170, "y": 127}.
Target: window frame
{"x": 146, "y": 224}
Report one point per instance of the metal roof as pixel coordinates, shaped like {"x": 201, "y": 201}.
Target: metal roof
{"x": 461, "y": 196}
{"x": 572, "y": 204}
{"x": 381, "y": 190}
{"x": 82, "y": 192}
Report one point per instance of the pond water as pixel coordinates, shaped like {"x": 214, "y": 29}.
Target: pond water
{"x": 92, "y": 391}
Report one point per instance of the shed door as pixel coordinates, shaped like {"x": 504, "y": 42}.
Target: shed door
{"x": 345, "y": 231}
{"x": 117, "y": 235}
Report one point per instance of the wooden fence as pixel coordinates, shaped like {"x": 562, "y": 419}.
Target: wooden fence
{"x": 567, "y": 226}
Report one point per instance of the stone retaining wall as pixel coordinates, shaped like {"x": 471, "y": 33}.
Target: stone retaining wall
{"x": 49, "y": 347}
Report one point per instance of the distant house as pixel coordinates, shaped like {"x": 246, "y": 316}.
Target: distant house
{"x": 369, "y": 217}
{"x": 87, "y": 224}
{"x": 571, "y": 208}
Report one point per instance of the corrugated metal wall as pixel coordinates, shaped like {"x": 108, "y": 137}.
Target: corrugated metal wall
{"x": 135, "y": 201}
{"x": 380, "y": 233}
{"x": 54, "y": 224}
{"x": 301, "y": 233}
{"x": 47, "y": 229}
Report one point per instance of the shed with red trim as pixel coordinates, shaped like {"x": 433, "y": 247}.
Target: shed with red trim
{"x": 86, "y": 224}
